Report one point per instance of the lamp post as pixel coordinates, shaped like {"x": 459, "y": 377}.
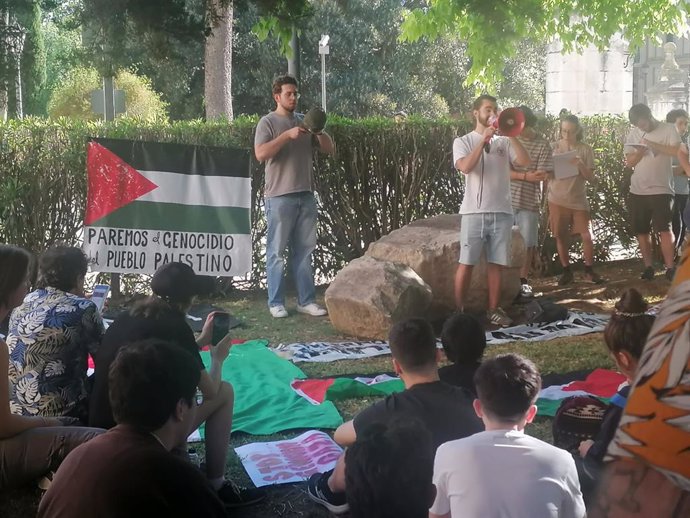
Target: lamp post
{"x": 323, "y": 50}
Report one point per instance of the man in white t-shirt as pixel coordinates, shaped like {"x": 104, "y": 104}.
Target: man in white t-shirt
{"x": 501, "y": 472}
{"x": 649, "y": 150}
{"x": 487, "y": 212}
{"x": 681, "y": 187}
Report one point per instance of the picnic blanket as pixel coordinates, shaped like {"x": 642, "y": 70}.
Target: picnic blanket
{"x": 292, "y": 460}
{"x": 601, "y": 383}
{"x": 264, "y": 402}
{"x": 576, "y": 324}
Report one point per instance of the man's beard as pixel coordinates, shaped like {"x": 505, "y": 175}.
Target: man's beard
{"x": 485, "y": 121}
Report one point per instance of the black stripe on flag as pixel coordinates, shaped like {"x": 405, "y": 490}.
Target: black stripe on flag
{"x": 180, "y": 158}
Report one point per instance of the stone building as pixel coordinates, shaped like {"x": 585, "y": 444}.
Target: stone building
{"x": 612, "y": 81}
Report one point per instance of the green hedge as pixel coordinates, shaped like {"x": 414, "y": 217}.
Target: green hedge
{"x": 384, "y": 175}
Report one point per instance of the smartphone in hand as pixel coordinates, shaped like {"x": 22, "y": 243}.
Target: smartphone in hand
{"x": 221, "y": 326}
{"x": 99, "y": 295}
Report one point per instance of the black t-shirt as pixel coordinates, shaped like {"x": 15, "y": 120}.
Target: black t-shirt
{"x": 608, "y": 428}
{"x": 170, "y": 326}
{"x": 445, "y": 410}
{"x": 460, "y": 375}
{"x": 127, "y": 473}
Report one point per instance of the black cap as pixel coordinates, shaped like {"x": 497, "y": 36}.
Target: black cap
{"x": 176, "y": 282}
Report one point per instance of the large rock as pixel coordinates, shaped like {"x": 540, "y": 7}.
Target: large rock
{"x": 431, "y": 248}
{"x": 368, "y": 296}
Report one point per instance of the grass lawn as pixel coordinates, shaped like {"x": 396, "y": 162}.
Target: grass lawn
{"x": 560, "y": 355}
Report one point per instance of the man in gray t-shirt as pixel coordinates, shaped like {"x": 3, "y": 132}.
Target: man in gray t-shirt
{"x": 286, "y": 146}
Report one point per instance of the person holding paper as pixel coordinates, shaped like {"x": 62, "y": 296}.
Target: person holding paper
{"x": 681, "y": 188}
{"x": 525, "y": 191}
{"x": 567, "y": 197}
{"x": 649, "y": 151}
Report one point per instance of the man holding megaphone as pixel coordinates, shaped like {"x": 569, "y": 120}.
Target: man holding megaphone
{"x": 285, "y": 141}
{"x": 484, "y": 158}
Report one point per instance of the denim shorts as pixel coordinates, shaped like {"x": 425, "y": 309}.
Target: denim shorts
{"x": 493, "y": 230}
{"x": 528, "y": 223}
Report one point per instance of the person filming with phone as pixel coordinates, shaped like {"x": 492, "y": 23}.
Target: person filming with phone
{"x": 163, "y": 316}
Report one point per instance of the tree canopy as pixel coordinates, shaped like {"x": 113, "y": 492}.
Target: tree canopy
{"x": 493, "y": 29}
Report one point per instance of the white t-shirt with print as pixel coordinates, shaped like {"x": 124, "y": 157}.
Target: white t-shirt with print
{"x": 506, "y": 474}
{"x": 487, "y": 186}
{"x": 654, "y": 173}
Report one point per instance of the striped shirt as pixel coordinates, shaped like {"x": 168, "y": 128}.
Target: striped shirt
{"x": 527, "y": 195}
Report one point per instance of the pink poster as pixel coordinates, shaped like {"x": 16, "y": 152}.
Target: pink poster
{"x": 293, "y": 460}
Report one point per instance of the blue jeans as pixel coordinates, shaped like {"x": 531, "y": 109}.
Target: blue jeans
{"x": 291, "y": 220}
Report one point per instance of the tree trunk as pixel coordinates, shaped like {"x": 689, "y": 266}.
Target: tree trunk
{"x": 4, "y": 64}
{"x": 218, "y": 62}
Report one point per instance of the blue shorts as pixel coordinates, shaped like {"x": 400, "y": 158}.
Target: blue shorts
{"x": 528, "y": 223}
{"x": 493, "y": 230}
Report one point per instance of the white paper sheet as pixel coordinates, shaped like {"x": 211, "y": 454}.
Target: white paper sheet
{"x": 563, "y": 166}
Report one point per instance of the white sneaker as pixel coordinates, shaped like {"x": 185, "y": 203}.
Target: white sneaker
{"x": 312, "y": 309}
{"x": 278, "y": 311}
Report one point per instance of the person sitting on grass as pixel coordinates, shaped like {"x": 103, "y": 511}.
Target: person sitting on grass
{"x": 446, "y": 411}
{"x": 30, "y": 446}
{"x": 50, "y": 337}
{"x": 502, "y": 471}
{"x": 625, "y": 336}
{"x": 130, "y": 470}
{"x": 162, "y": 316}
{"x": 647, "y": 471}
{"x": 464, "y": 340}
{"x": 388, "y": 471}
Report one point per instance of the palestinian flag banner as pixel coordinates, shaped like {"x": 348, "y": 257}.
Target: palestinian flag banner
{"x": 600, "y": 383}
{"x": 150, "y": 203}
{"x": 316, "y": 391}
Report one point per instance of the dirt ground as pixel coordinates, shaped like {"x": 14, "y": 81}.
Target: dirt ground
{"x": 600, "y": 298}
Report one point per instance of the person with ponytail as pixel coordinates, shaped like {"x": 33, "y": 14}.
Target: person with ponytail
{"x": 625, "y": 336}
{"x": 30, "y": 446}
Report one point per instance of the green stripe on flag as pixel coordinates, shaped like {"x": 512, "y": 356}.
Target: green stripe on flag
{"x": 345, "y": 388}
{"x": 178, "y": 217}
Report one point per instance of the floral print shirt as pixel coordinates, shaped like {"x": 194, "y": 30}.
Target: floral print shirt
{"x": 50, "y": 336}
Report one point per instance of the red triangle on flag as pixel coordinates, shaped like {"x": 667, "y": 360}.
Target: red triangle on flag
{"x": 112, "y": 183}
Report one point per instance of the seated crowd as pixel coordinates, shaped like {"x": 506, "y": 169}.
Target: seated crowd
{"x": 452, "y": 444}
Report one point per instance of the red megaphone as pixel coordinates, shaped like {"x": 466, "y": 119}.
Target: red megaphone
{"x": 510, "y": 122}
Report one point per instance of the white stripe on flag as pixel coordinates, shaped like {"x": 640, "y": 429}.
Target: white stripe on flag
{"x": 557, "y": 392}
{"x": 193, "y": 189}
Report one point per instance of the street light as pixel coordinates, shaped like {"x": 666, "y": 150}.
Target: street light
{"x": 323, "y": 50}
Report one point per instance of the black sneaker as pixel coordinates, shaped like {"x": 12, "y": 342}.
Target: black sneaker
{"x": 670, "y": 273}
{"x": 647, "y": 274}
{"x": 233, "y": 496}
{"x": 566, "y": 277}
{"x": 319, "y": 492}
